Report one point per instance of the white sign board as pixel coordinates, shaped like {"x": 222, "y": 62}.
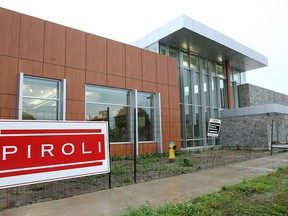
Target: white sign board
{"x": 214, "y": 127}
{"x": 41, "y": 151}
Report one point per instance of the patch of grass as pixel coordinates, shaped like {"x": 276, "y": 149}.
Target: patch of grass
{"x": 265, "y": 195}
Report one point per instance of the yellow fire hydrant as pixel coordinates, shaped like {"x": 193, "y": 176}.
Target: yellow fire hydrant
{"x": 172, "y": 149}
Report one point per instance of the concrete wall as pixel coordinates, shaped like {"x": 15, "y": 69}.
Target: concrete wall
{"x": 44, "y": 49}
{"x": 251, "y": 95}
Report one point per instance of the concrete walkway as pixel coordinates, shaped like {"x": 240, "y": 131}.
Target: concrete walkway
{"x": 159, "y": 192}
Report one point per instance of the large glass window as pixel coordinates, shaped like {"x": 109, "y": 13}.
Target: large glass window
{"x": 98, "y": 99}
{"x": 197, "y": 98}
{"x": 194, "y": 63}
{"x": 219, "y": 71}
{"x": 145, "y": 116}
{"x": 41, "y": 99}
{"x": 173, "y": 53}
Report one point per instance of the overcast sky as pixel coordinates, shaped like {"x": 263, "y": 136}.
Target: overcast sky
{"x": 259, "y": 24}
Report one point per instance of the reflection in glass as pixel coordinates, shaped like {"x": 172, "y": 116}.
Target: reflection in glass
{"x": 194, "y": 63}
{"x": 106, "y": 95}
{"x": 98, "y": 99}
{"x": 189, "y": 122}
{"x": 40, "y": 99}
{"x": 198, "y": 123}
{"x": 145, "y": 124}
{"x": 145, "y": 116}
{"x": 39, "y": 109}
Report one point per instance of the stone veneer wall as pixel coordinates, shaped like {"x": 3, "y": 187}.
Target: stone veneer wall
{"x": 253, "y": 130}
{"x": 251, "y": 95}
{"x": 245, "y": 132}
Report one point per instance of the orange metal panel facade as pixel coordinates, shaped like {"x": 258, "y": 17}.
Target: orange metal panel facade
{"x": 44, "y": 49}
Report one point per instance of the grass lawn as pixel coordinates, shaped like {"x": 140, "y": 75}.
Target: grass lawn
{"x": 265, "y": 195}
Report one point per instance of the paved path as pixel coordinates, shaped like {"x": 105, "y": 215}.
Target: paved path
{"x": 158, "y": 192}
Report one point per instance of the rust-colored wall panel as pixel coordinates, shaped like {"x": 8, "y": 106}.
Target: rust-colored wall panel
{"x": 75, "y": 84}
{"x": 115, "y": 58}
{"x": 149, "y": 87}
{"x": 163, "y": 90}
{"x": 53, "y": 71}
{"x": 162, "y": 68}
{"x": 147, "y": 148}
{"x": 96, "y": 78}
{"x": 75, "y": 110}
{"x": 149, "y": 66}
{"x": 121, "y": 149}
{"x": 9, "y": 75}
{"x": 31, "y": 38}
{"x": 165, "y": 115}
{"x": 9, "y": 32}
{"x": 8, "y": 104}
{"x": 75, "y": 48}
{"x": 134, "y": 84}
{"x": 31, "y": 68}
{"x": 175, "y": 126}
{"x": 115, "y": 81}
{"x": 174, "y": 93}
{"x": 133, "y": 62}
{"x": 173, "y": 72}
{"x": 96, "y": 53}
{"x": 54, "y": 47}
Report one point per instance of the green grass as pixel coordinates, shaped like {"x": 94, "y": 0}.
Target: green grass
{"x": 265, "y": 195}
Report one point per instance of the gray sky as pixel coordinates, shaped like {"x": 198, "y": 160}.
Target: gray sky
{"x": 259, "y": 24}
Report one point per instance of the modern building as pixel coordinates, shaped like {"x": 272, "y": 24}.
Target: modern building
{"x": 166, "y": 89}
{"x": 211, "y": 66}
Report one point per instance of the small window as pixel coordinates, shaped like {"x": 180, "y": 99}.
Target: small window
{"x": 41, "y": 99}
{"x": 98, "y": 99}
{"x": 145, "y": 117}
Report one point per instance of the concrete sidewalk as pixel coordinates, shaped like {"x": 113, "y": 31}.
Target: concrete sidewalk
{"x": 159, "y": 192}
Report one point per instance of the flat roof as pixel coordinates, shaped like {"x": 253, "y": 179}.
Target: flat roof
{"x": 189, "y": 34}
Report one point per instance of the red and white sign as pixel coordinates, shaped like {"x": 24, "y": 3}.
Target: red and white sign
{"x": 41, "y": 151}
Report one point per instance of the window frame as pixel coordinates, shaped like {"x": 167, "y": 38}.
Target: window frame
{"x": 61, "y": 96}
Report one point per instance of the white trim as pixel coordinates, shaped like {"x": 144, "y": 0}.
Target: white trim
{"x": 158, "y": 122}
{"x": 20, "y": 95}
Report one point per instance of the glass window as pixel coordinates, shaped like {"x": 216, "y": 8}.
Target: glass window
{"x": 185, "y": 60}
{"x": 219, "y": 71}
{"x": 198, "y": 123}
{"x": 98, "y": 99}
{"x": 187, "y": 86}
{"x": 189, "y": 122}
{"x": 145, "y": 116}
{"x": 206, "y": 90}
{"x": 194, "y": 62}
{"x": 41, "y": 99}
{"x": 173, "y": 53}
{"x": 223, "y": 99}
{"x": 163, "y": 50}
{"x": 154, "y": 48}
{"x": 196, "y": 83}
{"x": 214, "y": 92}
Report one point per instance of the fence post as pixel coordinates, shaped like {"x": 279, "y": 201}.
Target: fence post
{"x": 271, "y": 149}
{"x": 108, "y": 120}
{"x": 135, "y": 143}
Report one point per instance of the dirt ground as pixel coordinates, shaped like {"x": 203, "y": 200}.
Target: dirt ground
{"x": 148, "y": 168}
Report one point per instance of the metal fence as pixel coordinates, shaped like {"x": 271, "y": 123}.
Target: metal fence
{"x": 124, "y": 170}
{"x": 149, "y": 167}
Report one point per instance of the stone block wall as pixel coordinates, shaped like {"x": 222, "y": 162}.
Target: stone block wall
{"x": 251, "y": 95}
{"x": 253, "y": 131}
{"x": 244, "y": 132}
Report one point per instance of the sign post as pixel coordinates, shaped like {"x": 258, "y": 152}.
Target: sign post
{"x": 42, "y": 151}
{"x": 214, "y": 127}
